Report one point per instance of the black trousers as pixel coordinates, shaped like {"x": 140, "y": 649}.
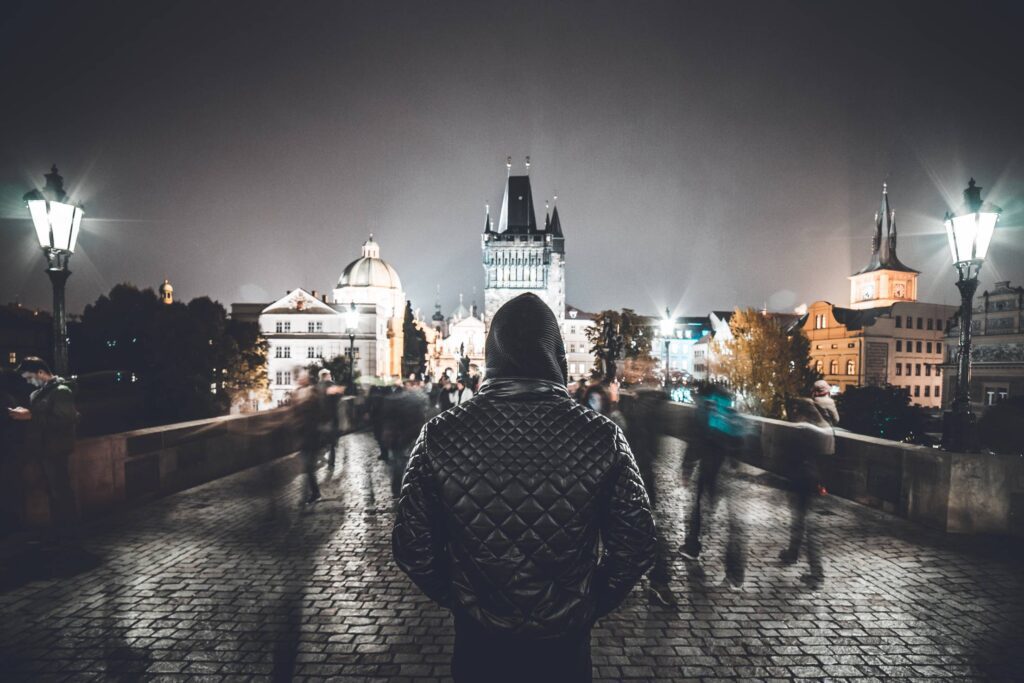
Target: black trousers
{"x": 63, "y": 506}
{"x": 482, "y": 657}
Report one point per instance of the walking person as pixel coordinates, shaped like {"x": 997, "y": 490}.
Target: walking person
{"x": 523, "y": 512}
{"x": 51, "y": 420}
{"x": 716, "y": 439}
{"x": 307, "y": 409}
{"x": 811, "y": 441}
{"x": 402, "y": 415}
{"x": 643, "y": 415}
{"x": 330, "y": 395}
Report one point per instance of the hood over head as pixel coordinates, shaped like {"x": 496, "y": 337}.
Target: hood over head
{"x": 524, "y": 341}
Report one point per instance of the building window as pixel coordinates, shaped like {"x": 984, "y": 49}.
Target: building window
{"x": 917, "y": 369}
{"x": 899, "y": 321}
{"x": 928, "y": 347}
{"x": 928, "y": 369}
{"x": 12, "y": 358}
{"x": 899, "y": 370}
{"x": 927, "y": 387}
{"x": 930, "y": 323}
{"x": 938, "y": 347}
{"x": 910, "y": 322}
{"x": 282, "y": 352}
{"x": 833, "y": 367}
{"x": 899, "y": 345}
{"x": 315, "y": 326}
{"x": 920, "y": 323}
{"x": 938, "y": 324}
{"x": 906, "y": 369}
{"x": 819, "y": 367}
{"x": 918, "y": 347}
{"x": 938, "y": 371}
{"x": 851, "y": 367}
{"x": 937, "y": 388}
{"x": 310, "y": 352}
{"x": 917, "y": 390}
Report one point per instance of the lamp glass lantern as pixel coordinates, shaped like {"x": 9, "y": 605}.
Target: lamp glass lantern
{"x": 352, "y": 318}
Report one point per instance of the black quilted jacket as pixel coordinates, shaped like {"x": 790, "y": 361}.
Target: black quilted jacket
{"x": 524, "y": 510}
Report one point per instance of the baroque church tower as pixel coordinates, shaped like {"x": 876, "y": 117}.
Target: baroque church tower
{"x": 520, "y": 256}
{"x": 885, "y": 280}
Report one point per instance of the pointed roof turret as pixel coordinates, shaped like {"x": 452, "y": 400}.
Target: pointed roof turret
{"x": 487, "y": 218}
{"x": 883, "y": 244}
{"x": 517, "y": 215}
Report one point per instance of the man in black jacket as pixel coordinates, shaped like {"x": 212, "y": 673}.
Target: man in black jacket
{"x": 51, "y": 419}
{"x": 523, "y": 512}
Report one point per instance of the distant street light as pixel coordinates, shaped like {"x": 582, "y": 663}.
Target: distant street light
{"x": 352, "y": 324}
{"x": 57, "y": 222}
{"x": 970, "y": 233}
{"x": 667, "y": 327}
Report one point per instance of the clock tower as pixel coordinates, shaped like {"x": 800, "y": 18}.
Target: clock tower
{"x": 885, "y": 280}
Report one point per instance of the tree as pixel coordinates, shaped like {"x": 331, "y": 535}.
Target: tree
{"x": 414, "y": 341}
{"x": 764, "y": 363}
{"x": 619, "y": 333}
{"x": 337, "y": 365}
{"x": 883, "y": 411}
{"x": 188, "y": 361}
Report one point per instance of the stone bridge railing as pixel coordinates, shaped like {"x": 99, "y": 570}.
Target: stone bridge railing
{"x": 117, "y": 469}
{"x": 970, "y": 493}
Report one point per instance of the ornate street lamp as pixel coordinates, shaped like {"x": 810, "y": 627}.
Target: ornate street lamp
{"x": 57, "y": 222}
{"x": 667, "y": 327}
{"x": 352, "y": 324}
{"x": 970, "y": 233}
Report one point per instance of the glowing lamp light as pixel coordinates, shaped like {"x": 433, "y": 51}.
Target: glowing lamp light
{"x": 56, "y": 220}
{"x": 970, "y": 231}
{"x": 667, "y": 324}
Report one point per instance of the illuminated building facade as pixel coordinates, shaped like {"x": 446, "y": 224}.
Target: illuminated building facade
{"x": 885, "y": 336}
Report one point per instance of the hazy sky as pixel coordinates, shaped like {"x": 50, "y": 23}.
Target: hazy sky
{"x": 705, "y": 155}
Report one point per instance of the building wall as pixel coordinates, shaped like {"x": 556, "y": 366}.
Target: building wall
{"x": 997, "y": 349}
{"x": 516, "y": 264}
{"x": 903, "y": 347}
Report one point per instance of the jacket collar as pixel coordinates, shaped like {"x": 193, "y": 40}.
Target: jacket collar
{"x": 522, "y": 388}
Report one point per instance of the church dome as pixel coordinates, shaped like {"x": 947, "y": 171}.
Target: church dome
{"x": 370, "y": 270}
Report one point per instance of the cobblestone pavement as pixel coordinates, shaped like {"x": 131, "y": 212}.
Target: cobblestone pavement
{"x": 231, "y": 581}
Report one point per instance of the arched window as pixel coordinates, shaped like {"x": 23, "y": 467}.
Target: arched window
{"x": 851, "y": 367}
{"x": 819, "y": 366}
{"x": 833, "y": 367}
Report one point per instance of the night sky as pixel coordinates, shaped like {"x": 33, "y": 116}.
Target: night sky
{"x": 705, "y": 155}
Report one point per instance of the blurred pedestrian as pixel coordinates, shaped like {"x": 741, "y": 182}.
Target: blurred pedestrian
{"x": 715, "y": 441}
{"x": 804, "y": 446}
{"x": 330, "y": 395}
{"x": 823, "y": 401}
{"x": 51, "y": 421}
{"x": 444, "y": 394}
{"x": 308, "y": 415}
{"x": 643, "y": 414}
{"x": 402, "y": 414}
{"x": 523, "y": 512}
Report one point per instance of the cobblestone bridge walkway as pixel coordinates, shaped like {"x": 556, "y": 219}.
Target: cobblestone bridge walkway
{"x": 231, "y": 581}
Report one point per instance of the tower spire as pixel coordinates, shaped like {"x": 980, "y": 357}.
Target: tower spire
{"x": 527, "y": 165}
{"x": 508, "y": 164}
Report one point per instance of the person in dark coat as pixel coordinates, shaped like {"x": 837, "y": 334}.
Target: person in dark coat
{"x": 330, "y": 395}
{"x": 523, "y": 512}
{"x": 402, "y": 416}
{"x": 51, "y": 420}
{"x": 804, "y": 446}
{"x": 643, "y": 415}
{"x": 307, "y": 409}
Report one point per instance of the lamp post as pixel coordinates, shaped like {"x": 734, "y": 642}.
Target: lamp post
{"x": 57, "y": 222}
{"x": 667, "y": 326}
{"x": 352, "y": 324}
{"x": 969, "y": 232}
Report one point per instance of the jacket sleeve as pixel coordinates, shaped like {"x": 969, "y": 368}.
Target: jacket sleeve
{"x": 627, "y": 532}
{"x": 418, "y": 540}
